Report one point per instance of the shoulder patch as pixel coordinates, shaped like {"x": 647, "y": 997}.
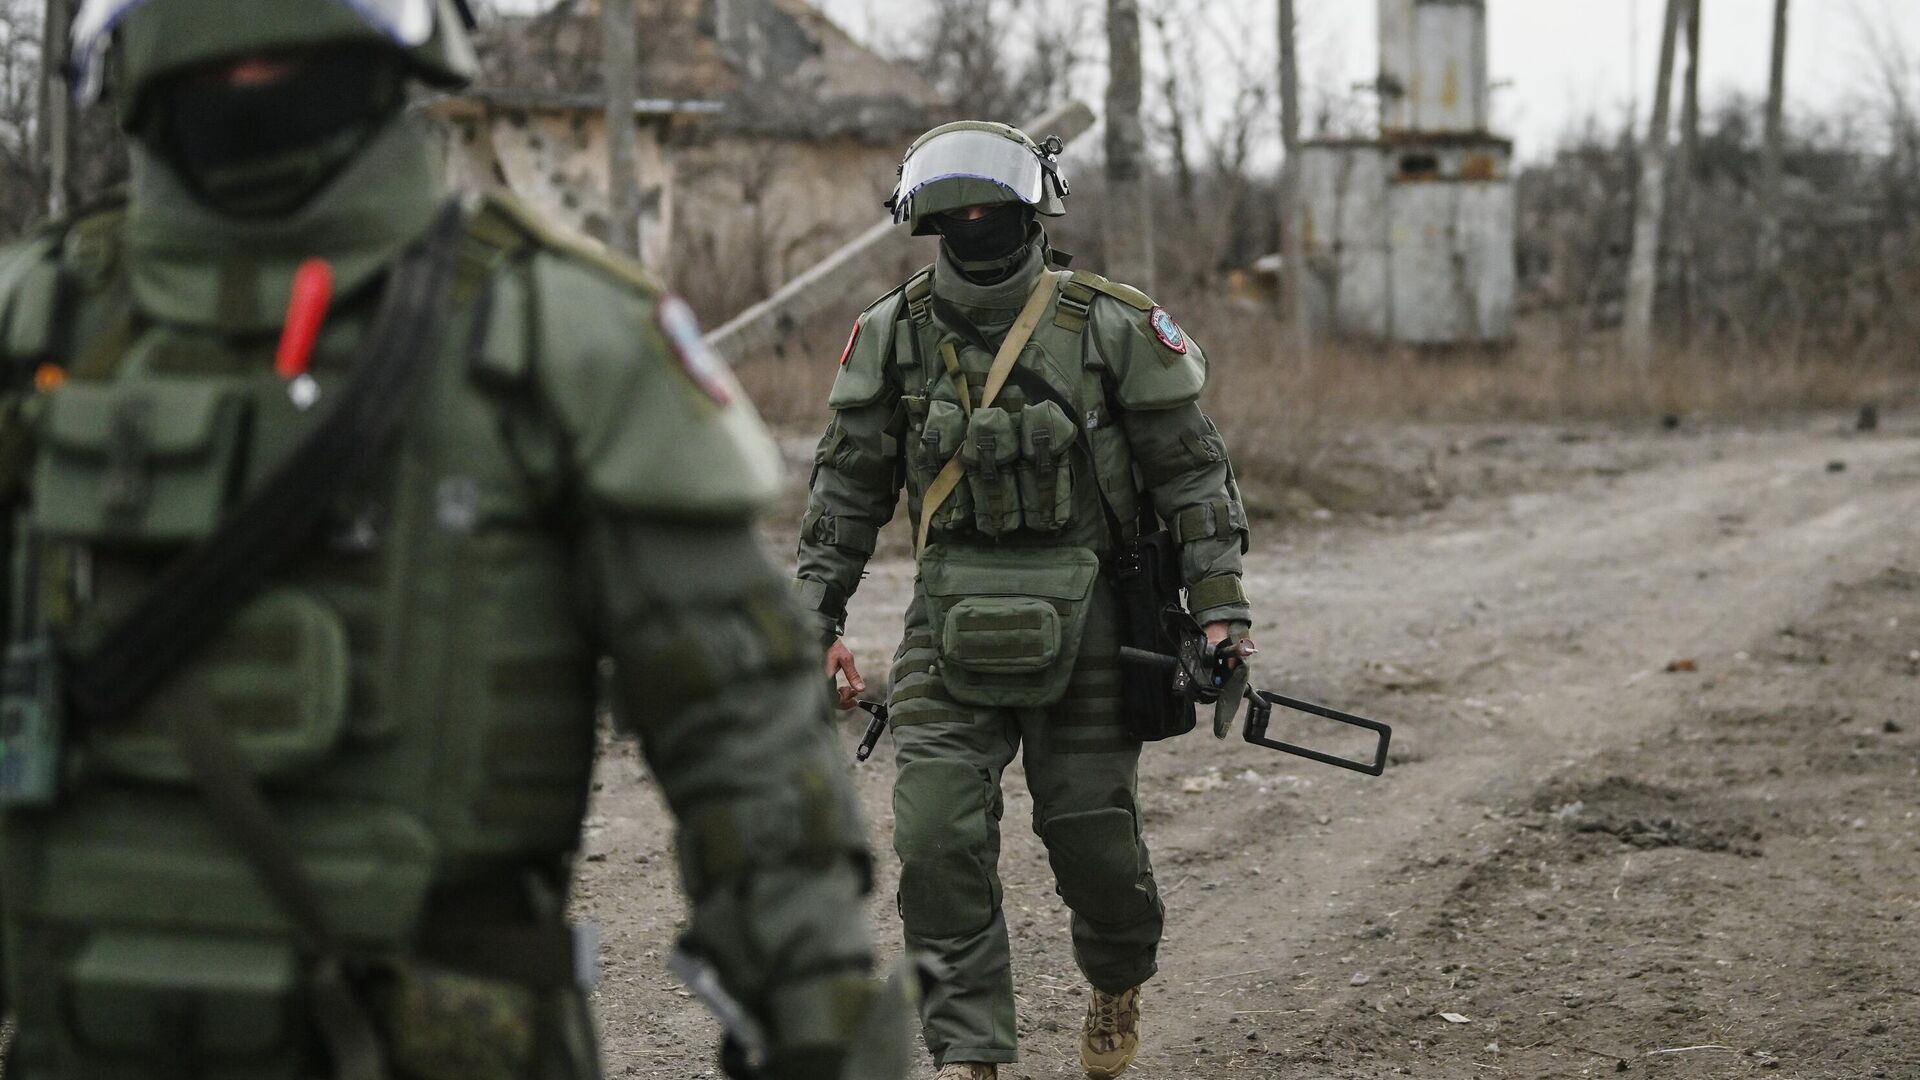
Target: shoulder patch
{"x": 698, "y": 359}
{"x": 550, "y": 234}
{"x": 1167, "y": 330}
{"x": 847, "y": 353}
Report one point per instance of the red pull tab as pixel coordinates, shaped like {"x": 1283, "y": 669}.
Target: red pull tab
{"x": 306, "y": 311}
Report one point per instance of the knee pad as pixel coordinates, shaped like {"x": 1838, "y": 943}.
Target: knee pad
{"x": 943, "y": 833}
{"x": 1097, "y": 867}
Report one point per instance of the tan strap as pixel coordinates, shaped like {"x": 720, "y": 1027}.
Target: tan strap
{"x": 1018, "y": 335}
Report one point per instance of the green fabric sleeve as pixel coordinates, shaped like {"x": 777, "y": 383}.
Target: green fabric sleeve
{"x": 857, "y": 476}
{"x": 714, "y": 672}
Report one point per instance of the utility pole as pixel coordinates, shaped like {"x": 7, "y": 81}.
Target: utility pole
{"x": 1643, "y": 273}
{"x": 1772, "y": 164}
{"x": 55, "y": 136}
{"x": 1129, "y": 224}
{"x": 1689, "y": 163}
{"x": 1293, "y": 270}
{"x": 621, "y": 67}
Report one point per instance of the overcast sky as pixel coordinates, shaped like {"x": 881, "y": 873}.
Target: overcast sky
{"x": 1560, "y": 60}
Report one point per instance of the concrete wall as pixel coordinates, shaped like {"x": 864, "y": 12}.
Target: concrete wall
{"x": 1409, "y": 241}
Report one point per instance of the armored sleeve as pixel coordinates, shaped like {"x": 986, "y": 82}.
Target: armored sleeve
{"x": 1158, "y": 375}
{"x": 856, "y": 475}
{"x": 711, "y": 664}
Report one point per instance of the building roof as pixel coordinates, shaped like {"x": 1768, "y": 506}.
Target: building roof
{"x": 780, "y": 67}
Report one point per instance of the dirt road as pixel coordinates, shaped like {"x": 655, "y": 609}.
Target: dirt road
{"x": 1598, "y": 865}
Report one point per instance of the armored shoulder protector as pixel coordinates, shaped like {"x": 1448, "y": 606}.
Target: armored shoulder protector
{"x": 1155, "y": 364}
{"x": 863, "y": 366}
{"x": 657, "y": 423}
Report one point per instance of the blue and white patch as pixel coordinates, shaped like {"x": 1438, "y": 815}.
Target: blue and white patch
{"x": 1167, "y": 330}
{"x": 703, "y": 365}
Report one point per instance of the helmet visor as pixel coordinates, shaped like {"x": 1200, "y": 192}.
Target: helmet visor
{"x": 408, "y": 23}
{"x": 970, "y": 155}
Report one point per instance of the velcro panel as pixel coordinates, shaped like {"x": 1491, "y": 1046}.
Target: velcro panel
{"x": 1216, "y": 592}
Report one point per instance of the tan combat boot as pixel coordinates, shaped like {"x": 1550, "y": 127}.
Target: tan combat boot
{"x": 967, "y": 1070}
{"x": 1111, "y": 1035}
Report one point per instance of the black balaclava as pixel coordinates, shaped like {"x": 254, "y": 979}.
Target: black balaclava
{"x": 263, "y": 151}
{"x": 988, "y": 248}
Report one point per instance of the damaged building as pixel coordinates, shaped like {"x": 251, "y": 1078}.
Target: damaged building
{"x": 767, "y": 135}
{"x": 1410, "y": 236}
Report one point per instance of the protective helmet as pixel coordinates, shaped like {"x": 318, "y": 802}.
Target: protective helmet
{"x": 153, "y": 39}
{"x": 974, "y": 162}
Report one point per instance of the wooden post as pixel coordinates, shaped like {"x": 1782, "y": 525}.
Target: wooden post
{"x": 1772, "y": 163}
{"x": 1293, "y": 271}
{"x": 1643, "y": 273}
{"x": 56, "y": 110}
{"x": 621, "y": 64}
{"x": 1128, "y": 228}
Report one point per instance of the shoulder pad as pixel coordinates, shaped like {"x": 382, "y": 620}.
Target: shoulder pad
{"x": 1126, "y": 294}
{"x": 658, "y": 425}
{"x": 1149, "y": 371}
{"x": 505, "y": 218}
{"x": 863, "y": 366}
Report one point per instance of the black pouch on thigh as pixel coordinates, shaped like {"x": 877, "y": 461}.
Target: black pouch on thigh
{"x": 1007, "y": 622}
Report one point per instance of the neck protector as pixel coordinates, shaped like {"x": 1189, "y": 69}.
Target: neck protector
{"x": 263, "y": 151}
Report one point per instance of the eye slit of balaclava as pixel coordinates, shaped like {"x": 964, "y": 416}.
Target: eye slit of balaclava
{"x": 262, "y": 149}
{"x": 999, "y": 234}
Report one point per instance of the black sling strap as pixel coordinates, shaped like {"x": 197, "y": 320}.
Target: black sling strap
{"x": 205, "y": 588}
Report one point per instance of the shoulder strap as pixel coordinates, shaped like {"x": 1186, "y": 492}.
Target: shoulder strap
{"x": 919, "y": 298}
{"x": 1017, "y": 337}
{"x": 201, "y": 591}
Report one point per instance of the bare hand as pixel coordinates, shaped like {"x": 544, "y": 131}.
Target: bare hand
{"x": 840, "y": 659}
{"x": 1218, "y": 632}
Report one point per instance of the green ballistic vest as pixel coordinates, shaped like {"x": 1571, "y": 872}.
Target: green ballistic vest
{"x": 415, "y": 694}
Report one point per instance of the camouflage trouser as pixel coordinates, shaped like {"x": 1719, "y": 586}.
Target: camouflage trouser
{"x": 1081, "y": 764}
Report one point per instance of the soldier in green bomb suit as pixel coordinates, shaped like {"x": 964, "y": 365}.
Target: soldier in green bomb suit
{"x": 328, "y": 495}
{"x": 1025, "y": 471}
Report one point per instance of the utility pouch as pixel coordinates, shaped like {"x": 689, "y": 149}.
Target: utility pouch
{"x": 1146, "y": 574}
{"x": 989, "y": 456}
{"x": 1046, "y": 470}
{"x": 132, "y": 995}
{"x": 1007, "y": 623}
{"x": 31, "y": 725}
{"x": 278, "y": 680}
{"x": 940, "y": 440}
{"x": 448, "y": 1025}
{"x": 153, "y": 461}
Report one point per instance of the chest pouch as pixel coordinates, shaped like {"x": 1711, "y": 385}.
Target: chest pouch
{"x": 277, "y": 677}
{"x": 989, "y": 456}
{"x": 940, "y": 438}
{"x": 1008, "y": 622}
{"x": 1045, "y": 471}
{"x": 152, "y": 462}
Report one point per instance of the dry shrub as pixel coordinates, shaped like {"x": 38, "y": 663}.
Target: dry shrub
{"x": 1290, "y": 420}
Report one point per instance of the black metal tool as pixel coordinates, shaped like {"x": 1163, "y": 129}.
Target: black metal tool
{"x": 875, "y": 727}
{"x": 1260, "y": 704}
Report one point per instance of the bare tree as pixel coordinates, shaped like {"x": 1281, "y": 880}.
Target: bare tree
{"x": 1129, "y": 221}
{"x": 622, "y": 62}
{"x": 1771, "y": 168}
{"x": 1001, "y": 59}
{"x": 1684, "y": 174}
{"x": 1644, "y": 269}
{"x": 1292, "y": 221}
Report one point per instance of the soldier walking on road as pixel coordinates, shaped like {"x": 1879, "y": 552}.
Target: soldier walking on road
{"x": 1032, "y": 415}
{"x": 327, "y": 494}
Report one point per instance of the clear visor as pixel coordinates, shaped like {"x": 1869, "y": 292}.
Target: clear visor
{"x": 970, "y": 155}
{"x": 409, "y": 23}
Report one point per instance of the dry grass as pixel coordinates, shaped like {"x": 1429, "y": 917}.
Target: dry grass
{"x": 1283, "y": 414}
